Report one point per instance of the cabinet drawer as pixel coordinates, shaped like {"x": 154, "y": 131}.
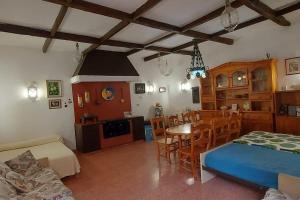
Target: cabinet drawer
{"x": 207, "y": 98}
{"x": 247, "y": 127}
{"x": 261, "y": 96}
{"x": 258, "y": 116}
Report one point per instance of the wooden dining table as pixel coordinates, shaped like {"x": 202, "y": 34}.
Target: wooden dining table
{"x": 182, "y": 130}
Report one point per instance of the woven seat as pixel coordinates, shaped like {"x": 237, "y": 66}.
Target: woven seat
{"x": 201, "y": 139}
{"x": 165, "y": 144}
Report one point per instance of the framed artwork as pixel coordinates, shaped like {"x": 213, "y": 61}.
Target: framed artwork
{"x": 54, "y": 103}
{"x": 195, "y": 95}
{"x": 292, "y": 66}
{"x": 54, "y": 88}
{"x": 140, "y": 88}
{"x": 162, "y": 89}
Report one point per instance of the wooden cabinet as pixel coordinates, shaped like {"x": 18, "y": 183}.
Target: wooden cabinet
{"x": 138, "y": 129}
{"x": 207, "y": 93}
{"x": 249, "y": 85}
{"x": 87, "y": 137}
{"x": 287, "y": 121}
{"x": 103, "y": 134}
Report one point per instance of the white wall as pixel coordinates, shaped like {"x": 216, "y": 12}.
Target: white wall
{"x": 174, "y": 100}
{"x": 21, "y": 118}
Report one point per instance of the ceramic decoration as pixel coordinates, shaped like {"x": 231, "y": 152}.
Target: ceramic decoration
{"x": 108, "y": 93}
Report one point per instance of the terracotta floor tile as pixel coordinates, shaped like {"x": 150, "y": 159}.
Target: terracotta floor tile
{"x": 131, "y": 172}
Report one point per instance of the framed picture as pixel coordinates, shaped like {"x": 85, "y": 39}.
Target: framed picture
{"x": 54, "y": 103}
{"x": 292, "y": 66}
{"x": 140, "y": 88}
{"x": 54, "y": 88}
{"x": 162, "y": 89}
{"x": 234, "y": 107}
{"x": 195, "y": 95}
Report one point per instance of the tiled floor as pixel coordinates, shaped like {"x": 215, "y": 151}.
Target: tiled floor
{"x": 131, "y": 172}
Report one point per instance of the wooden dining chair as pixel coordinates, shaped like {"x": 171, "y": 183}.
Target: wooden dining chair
{"x": 235, "y": 125}
{"x": 187, "y": 117}
{"x": 173, "y": 120}
{"x": 196, "y": 116}
{"x": 165, "y": 144}
{"x": 189, "y": 157}
{"x": 220, "y": 128}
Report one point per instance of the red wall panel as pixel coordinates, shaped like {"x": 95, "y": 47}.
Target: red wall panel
{"x": 98, "y": 106}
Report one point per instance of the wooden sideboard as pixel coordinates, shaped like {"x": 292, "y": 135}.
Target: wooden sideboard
{"x": 249, "y": 85}
{"x": 108, "y": 133}
{"x": 285, "y": 122}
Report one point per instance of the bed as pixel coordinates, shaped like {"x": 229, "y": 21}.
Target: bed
{"x": 257, "y": 158}
{"x": 60, "y": 157}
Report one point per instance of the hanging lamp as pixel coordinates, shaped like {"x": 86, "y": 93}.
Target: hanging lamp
{"x": 229, "y": 17}
{"x": 164, "y": 70}
{"x": 197, "y": 68}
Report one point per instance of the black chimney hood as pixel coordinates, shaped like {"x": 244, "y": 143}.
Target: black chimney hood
{"x": 100, "y": 65}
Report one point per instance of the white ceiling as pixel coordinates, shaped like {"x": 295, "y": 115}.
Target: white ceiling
{"x": 137, "y": 33}
{"x": 40, "y": 14}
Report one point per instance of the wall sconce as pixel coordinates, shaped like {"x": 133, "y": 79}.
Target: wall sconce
{"x": 87, "y": 97}
{"x": 150, "y": 88}
{"x": 184, "y": 86}
{"x": 32, "y": 91}
{"x": 80, "y": 101}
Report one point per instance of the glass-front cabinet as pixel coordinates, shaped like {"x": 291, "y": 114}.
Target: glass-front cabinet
{"x": 221, "y": 81}
{"x": 261, "y": 80}
{"x": 239, "y": 78}
{"x": 207, "y": 86}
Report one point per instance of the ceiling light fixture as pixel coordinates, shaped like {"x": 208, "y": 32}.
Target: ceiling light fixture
{"x": 197, "y": 68}
{"x": 229, "y": 17}
{"x": 164, "y": 70}
{"x": 77, "y": 53}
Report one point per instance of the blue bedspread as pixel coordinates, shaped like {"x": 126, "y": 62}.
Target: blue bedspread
{"x": 253, "y": 163}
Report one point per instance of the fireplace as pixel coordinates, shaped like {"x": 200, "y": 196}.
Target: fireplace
{"x": 116, "y": 128}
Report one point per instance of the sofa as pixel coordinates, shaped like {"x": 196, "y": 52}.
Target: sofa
{"x": 61, "y": 158}
{"x": 288, "y": 189}
{"x": 24, "y": 178}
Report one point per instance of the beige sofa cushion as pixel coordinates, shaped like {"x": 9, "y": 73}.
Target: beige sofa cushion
{"x": 289, "y": 185}
{"x": 31, "y": 142}
{"x": 24, "y": 164}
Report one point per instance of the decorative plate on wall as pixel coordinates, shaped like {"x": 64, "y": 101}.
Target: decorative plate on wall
{"x": 108, "y": 93}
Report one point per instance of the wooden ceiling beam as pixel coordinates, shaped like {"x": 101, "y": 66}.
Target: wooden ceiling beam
{"x": 23, "y": 30}
{"x": 108, "y": 35}
{"x": 93, "y": 8}
{"x": 121, "y": 25}
{"x": 62, "y": 12}
{"x": 267, "y": 12}
{"x": 210, "y": 16}
{"x": 106, "y": 11}
{"x": 283, "y": 11}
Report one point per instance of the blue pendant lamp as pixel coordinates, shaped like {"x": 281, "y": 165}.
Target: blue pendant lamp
{"x": 197, "y": 68}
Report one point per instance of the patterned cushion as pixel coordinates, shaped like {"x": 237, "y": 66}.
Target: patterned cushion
{"x": 6, "y": 190}
{"x": 52, "y": 190}
{"x": 20, "y": 182}
{"x": 4, "y": 169}
{"x": 24, "y": 164}
{"x": 45, "y": 175}
{"x": 273, "y": 194}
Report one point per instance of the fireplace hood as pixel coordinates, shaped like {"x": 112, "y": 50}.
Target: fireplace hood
{"x": 103, "y": 66}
